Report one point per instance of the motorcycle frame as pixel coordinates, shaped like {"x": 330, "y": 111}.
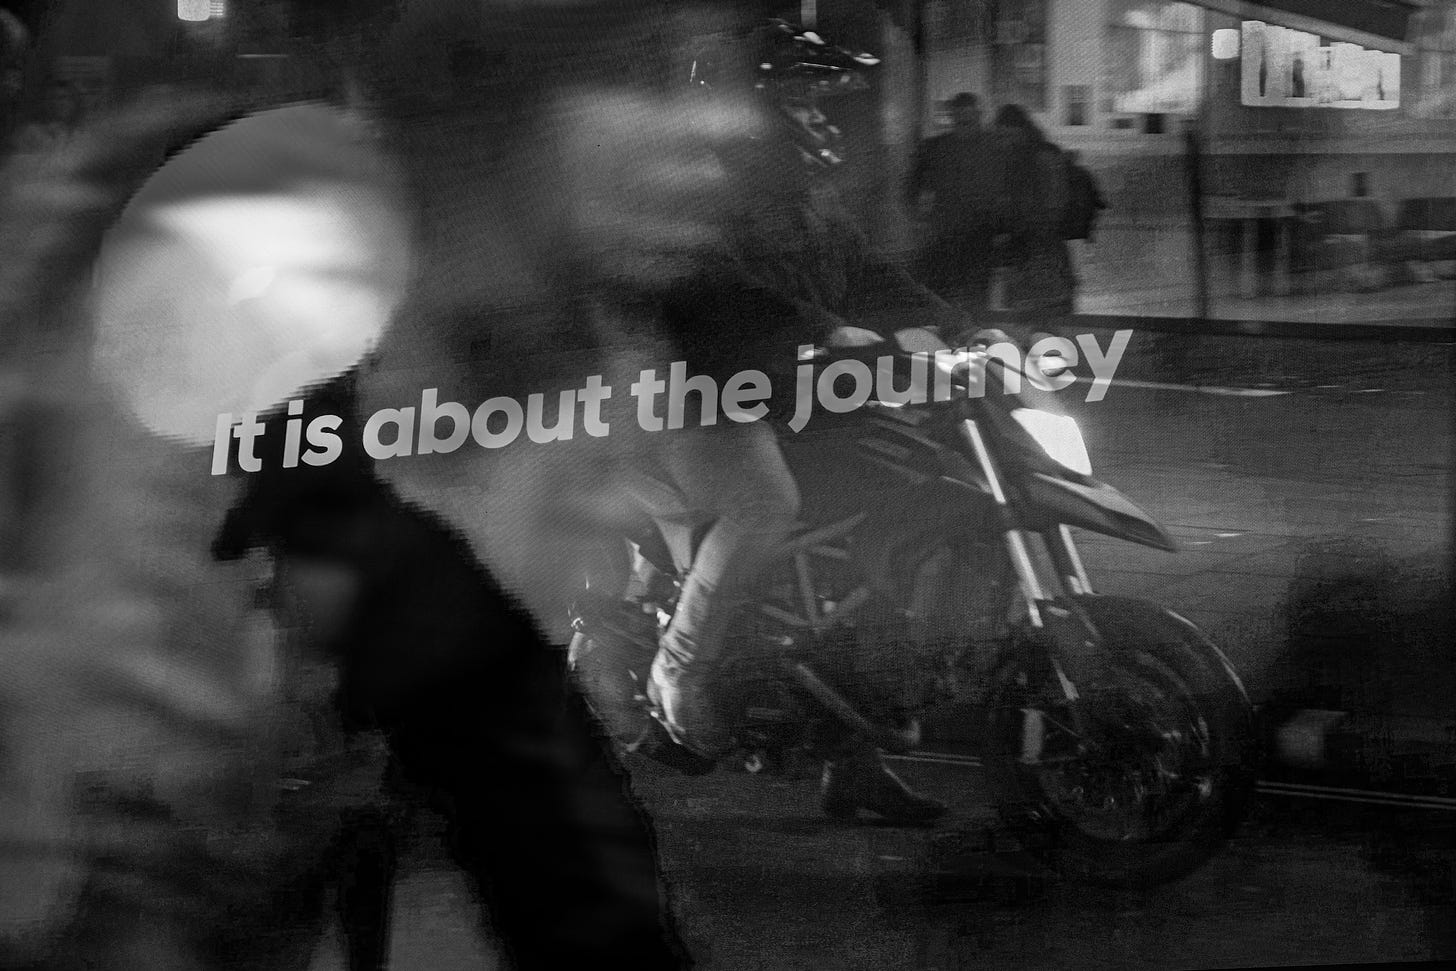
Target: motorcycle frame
{"x": 1058, "y": 626}
{"x": 1071, "y": 573}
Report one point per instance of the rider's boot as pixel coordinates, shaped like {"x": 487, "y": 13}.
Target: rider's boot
{"x": 681, "y": 701}
{"x": 858, "y": 779}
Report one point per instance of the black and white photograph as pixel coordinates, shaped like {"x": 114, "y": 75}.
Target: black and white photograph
{"x": 727, "y": 484}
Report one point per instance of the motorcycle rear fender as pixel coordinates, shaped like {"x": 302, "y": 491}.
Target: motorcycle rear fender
{"x": 1090, "y": 505}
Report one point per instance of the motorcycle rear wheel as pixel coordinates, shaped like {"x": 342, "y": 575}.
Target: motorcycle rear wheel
{"x": 1165, "y": 771}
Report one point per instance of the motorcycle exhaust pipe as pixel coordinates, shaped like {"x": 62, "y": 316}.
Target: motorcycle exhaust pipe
{"x": 891, "y": 740}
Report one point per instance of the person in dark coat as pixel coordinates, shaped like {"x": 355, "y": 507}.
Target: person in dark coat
{"x": 1040, "y": 281}
{"x": 964, "y": 172}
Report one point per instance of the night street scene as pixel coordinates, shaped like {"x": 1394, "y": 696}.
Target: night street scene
{"x": 851, "y": 484}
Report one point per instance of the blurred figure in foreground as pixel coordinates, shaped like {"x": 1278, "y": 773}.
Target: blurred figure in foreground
{"x": 174, "y": 780}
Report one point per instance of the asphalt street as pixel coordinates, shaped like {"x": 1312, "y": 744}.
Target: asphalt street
{"x": 1274, "y": 463}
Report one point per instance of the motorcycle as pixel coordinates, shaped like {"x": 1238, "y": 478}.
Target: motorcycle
{"x": 937, "y": 562}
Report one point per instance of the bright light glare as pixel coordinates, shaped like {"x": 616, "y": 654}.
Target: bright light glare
{"x": 194, "y": 10}
{"x": 1058, "y": 435}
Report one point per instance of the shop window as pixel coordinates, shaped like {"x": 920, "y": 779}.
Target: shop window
{"x": 1153, "y": 62}
{"x": 1435, "y": 38}
{"x": 997, "y": 48}
{"x": 954, "y": 24}
{"x": 1019, "y": 53}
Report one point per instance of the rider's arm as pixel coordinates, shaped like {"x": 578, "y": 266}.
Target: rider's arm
{"x": 880, "y": 287}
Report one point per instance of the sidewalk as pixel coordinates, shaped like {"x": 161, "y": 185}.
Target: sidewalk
{"x": 1145, "y": 269}
{"x": 1323, "y": 361}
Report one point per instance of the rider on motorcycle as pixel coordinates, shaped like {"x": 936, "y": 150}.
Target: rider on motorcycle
{"x": 795, "y": 259}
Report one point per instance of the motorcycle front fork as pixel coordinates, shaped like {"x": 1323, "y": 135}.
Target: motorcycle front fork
{"x": 1065, "y": 630}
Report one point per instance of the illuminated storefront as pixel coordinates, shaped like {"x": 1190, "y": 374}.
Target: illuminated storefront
{"x": 1146, "y": 65}
{"x": 1324, "y": 128}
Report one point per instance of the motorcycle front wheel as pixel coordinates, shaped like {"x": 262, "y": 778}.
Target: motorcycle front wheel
{"x": 1159, "y": 773}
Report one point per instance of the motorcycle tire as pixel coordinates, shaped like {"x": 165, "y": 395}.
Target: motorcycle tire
{"x": 1171, "y": 689}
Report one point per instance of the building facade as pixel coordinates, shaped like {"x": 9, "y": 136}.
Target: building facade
{"x": 1123, "y": 79}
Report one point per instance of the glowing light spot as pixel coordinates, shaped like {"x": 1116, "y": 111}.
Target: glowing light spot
{"x": 1225, "y": 44}
{"x": 251, "y": 283}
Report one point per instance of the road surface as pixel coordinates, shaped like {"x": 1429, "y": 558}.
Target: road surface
{"x": 1272, "y": 463}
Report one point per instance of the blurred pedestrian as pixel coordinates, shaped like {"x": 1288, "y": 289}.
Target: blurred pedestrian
{"x": 965, "y": 173}
{"x": 1039, "y": 281}
{"x": 173, "y": 780}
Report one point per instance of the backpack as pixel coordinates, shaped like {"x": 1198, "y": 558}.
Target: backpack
{"x": 1054, "y": 180}
{"x": 1084, "y": 203}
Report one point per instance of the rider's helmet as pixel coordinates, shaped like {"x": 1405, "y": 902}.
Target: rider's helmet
{"x": 794, "y": 71}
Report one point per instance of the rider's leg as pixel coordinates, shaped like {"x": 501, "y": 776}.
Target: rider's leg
{"x": 737, "y": 475}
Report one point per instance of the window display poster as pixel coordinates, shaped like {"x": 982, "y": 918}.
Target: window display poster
{"x": 1284, "y": 68}
{"x": 1018, "y": 54}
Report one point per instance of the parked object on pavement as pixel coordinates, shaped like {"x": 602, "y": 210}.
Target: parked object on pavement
{"x": 1348, "y": 244}
{"x": 1361, "y": 696}
{"x": 1430, "y": 224}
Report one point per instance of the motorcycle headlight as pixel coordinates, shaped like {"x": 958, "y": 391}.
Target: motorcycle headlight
{"x": 1058, "y": 436}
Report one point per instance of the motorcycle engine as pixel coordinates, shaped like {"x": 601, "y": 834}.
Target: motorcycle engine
{"x": 932, "y": 623}
{"x": 880, "y": 664}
